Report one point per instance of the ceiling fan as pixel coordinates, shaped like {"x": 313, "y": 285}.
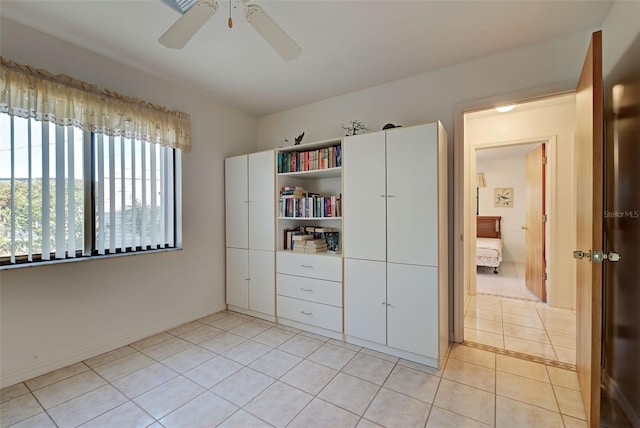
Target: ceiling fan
{"x": 200, "y": 11}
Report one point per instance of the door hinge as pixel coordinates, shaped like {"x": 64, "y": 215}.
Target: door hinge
{"x": 545, "y": 218}
{"x": 546, "y": 276}
{"x": 544, "y": 160}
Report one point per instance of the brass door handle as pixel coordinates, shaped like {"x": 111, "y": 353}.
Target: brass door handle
{"x": 524, "y": 227}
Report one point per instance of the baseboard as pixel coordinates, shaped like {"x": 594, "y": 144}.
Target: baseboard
{"x": 410, "y": 356}
{"x": 262, "y": 316}
{"x": 626, "y": 407}
{"x": 11, "y": 378}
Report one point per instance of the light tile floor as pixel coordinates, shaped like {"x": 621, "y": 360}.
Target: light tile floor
{"x": 508, "y": 282}
{"x": 231, "y": 370}
{"x": 518, "y": 324}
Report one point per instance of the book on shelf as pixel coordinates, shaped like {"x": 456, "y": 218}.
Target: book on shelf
{"x": 309, "y": 205}
{"x": 292, "y": 190}
{"x": 323, "y": 229}
{"x": 315, "y": 249}
{"x": 311, "y": 244}
{"x": 302, "y": 237}
{"x": 333, "y": 240}
{"x": 309, "y": 160}
{"x": 288, "y": 234}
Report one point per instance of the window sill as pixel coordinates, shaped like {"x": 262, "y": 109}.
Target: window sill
{"x": 87, "y": 258}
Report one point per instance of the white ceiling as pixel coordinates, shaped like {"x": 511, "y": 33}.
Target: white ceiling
{"x": 347, "y": 45}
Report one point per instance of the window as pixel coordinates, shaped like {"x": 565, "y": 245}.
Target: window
{"x": 85, "y": 171}
{"x": 67, "y": 192}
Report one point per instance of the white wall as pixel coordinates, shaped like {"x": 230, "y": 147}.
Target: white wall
{"x": 506, "y": 173}
{"x": 432, "y": 96}
{"x": 619, "y": 30}
{"x": 56, "y": 315}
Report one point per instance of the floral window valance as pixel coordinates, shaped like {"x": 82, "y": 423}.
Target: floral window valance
{"x": 36, "y": 93}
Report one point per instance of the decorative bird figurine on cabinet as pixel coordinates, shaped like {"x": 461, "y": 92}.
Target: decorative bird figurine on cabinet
{"x": 299, "y": 139}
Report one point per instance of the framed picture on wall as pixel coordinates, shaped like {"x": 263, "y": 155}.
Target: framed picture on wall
{"x": 503, "y": 197}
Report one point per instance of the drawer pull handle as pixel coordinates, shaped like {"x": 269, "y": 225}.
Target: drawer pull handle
{"x": 306, "y": 313}
{"x": 306, "y": 289}
{"x": 307, "y": 266}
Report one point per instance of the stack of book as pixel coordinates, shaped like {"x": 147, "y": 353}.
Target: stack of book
{"x": 298, "y": 242}
{"x": 312, "y": 239}
{"x": 288, "y": 192}
{"x": 315, "y": 246}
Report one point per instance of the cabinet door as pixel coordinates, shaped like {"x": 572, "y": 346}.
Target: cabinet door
{"x": 363, "y": 205}
{"x": 236, "y": 202}
{"x": 412, "y": 314}
{"x": 262, "y": 201}
{"x": 365, "y": 300}
{"x": 237, "y": 277}
{"x": 262, "y": 287}
{"x": 412, "y": 189}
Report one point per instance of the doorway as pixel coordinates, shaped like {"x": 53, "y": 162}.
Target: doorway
{"x": 509, "y": 193}
{"x": 500, "y": 311}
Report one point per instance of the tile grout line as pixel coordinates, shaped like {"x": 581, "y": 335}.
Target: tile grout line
{"x": 396, "y": 363}
{"x": 520, "y": 355}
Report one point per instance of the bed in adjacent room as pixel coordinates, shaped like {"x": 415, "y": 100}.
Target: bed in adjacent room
{"x": 488, "y": 242}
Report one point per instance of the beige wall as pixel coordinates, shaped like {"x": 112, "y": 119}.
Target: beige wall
{"x": 432, "y": 96}
{"x": 619, "y": 30}
{"x": 56, "y": 315}
{"x": 505, "y": 173}
{"x": 533, "y": 124}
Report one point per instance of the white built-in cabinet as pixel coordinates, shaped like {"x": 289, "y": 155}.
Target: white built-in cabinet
{"x": 395, "y": 242}
{"x": 387, "y": 288}
{"x": 309, "y": 285}
{"x": 250, "y": 233}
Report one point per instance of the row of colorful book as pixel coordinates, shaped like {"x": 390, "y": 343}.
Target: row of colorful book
{"x": 310, "y": 206}
{"x": 310, "y": 160}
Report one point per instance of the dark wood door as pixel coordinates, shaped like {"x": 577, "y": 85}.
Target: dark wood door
{"x": 622, "y": 231}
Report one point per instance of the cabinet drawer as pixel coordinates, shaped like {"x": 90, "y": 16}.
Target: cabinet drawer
{"x": 310, "y": 265}
{"x": 313, "y": 290}
{"x": 315, "y": 314}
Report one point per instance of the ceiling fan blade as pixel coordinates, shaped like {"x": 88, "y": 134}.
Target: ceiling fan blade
{"x": 189, "y": 24}
{"x": 272, "y": 33}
